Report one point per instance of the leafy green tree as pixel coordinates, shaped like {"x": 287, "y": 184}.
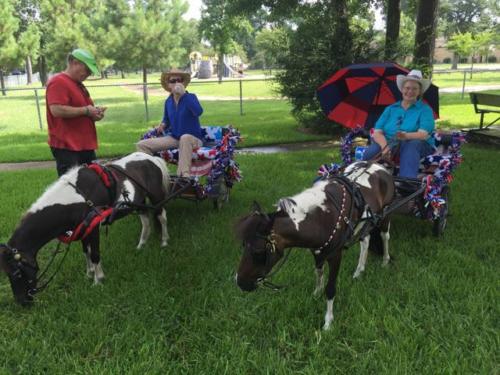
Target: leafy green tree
{"x": 474, "y": 16}
{"x": 150, "y": 36}
{"x": 28, "y": 34}
{"x": 461, "y": 44}
{"x": 29, "y": 45}
{"x": 9, "y": 24}
{"x": 271, "y": 45}
{"x": 63, "y": 25}
{"x": 220, "y": 27}
{"x": 406, "y": 37}
{"x": 483, "y": 42}
{"x": 190, "y": 38}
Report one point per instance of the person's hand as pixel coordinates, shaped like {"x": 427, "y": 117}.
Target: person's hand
{"x": 401, "y": 135}
{"x": 179, "y": 89}
{"x": 160, "y": 128}
{"x": 96, "y": 113}
{"x": 101, "y": 112}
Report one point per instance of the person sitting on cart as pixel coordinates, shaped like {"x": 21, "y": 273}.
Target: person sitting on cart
{"x": 180, "y": 120}
{"x": 405, "y": 126}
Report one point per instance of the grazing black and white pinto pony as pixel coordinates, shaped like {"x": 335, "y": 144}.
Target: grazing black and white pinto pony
{"x": 324, "y": 218}
{"x": 71, "y": 201}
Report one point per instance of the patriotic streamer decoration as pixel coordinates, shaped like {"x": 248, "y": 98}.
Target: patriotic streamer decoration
{"x": 346, "y": 142}
{"x": 444, "y": 163}
{"x": 221, "y": 156}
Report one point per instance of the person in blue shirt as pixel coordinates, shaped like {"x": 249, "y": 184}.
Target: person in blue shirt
{"x": 180, "y": 121}
{"x": 407, "y": 125}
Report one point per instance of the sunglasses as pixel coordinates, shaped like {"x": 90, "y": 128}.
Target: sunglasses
{"x": 175, "y": 80}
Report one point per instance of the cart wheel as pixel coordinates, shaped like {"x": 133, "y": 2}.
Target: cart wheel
{"x": 222, "y": 196}
{"x": 439, "y": 224}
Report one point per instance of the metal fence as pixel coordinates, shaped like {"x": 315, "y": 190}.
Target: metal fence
{"x": 465, "y": 72}
{"x": 20, "y": 79}
{"x": 145, "y": 88}
{"x": 145, "y": 92}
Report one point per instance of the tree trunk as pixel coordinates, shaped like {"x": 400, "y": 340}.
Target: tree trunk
{"x": 454, "y": 61}
{"x": 342, "y": 35}
{"x": 42, "y": 69}
{"x": 29, "y": 71}
{"x": 123, "y": 74}
{"x": 425, "y": 35}
{"x": 392, "y": 29}
{"x": 471, "y": 65}
{"x": 220, "y": 67}
{"x": 2, "y": 83}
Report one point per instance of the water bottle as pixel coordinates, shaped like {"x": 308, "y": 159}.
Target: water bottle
{"x": 358, "y": 152}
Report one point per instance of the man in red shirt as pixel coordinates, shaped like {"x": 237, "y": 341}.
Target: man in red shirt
{"x": 71, "y": 113}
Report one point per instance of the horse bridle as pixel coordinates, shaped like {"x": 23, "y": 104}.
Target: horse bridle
{"x": 269, "y": 250}
{"x": 21, "y": 267}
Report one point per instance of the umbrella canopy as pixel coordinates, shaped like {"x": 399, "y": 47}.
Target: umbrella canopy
{"x": 357, "y": 94}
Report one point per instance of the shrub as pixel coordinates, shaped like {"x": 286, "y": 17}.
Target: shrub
{"x": 492, "y": 59}
{"x": 447, "y": 60}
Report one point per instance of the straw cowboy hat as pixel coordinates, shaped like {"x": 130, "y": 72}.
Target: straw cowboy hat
{"x": 414, "y": 75}
{"x": 175, "y": 72}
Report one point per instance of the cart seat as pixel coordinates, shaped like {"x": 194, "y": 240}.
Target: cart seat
{"x": 215, "y": 139}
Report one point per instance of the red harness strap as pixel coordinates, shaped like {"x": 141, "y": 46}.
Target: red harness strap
{"x": 97, "y": 168}
{"x": 95, "y": 216}
{"x": 93, "y": 219}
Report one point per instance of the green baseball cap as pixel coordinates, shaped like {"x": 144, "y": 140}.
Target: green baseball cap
{"x": 87, "y": 58}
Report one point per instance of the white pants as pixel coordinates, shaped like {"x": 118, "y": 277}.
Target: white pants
{"x": 185, "y": 144}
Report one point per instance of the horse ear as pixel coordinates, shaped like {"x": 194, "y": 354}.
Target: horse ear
{"x": 256, "y": 208}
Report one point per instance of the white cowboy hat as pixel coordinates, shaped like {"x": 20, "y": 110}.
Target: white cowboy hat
{"x": 414, "y": 75}
{"x": 175, "y": 72}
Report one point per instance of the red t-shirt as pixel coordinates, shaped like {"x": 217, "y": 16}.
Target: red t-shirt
{"x": 77, "y": 133}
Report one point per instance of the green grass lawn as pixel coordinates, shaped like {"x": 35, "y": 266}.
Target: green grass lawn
{"x": 433, "y": 310}
{"x": 264, "y": 122}
{"x": 456, "y": 79}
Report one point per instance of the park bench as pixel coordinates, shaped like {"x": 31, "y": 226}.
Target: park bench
{"x": 484, "y": 103}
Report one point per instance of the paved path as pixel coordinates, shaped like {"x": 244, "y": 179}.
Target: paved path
{"x": 247, "y": 150}
{"x": 469, "y": 88}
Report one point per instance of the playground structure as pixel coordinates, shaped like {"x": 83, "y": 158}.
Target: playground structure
{"x": 205, "y": 67}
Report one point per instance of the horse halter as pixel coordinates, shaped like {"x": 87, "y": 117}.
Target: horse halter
{"x": 21, "y": 267}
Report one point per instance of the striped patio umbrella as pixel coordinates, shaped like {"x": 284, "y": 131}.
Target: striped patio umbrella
{"x": 355, "y": 96}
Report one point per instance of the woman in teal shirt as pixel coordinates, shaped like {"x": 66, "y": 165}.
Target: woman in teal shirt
{"x": 408, "y": 124}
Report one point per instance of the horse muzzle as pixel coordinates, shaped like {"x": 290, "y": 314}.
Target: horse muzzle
{"x": 246, "y": 285}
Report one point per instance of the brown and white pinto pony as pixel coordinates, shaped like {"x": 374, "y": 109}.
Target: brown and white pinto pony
{"x": 64, "y": 205}
{"x": 323, "y": 218}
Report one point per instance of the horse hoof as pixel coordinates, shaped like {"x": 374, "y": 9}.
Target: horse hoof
{"x": 356, "y": 274}
{"x": 90, "y": 274}
{"x": 164, "y": 244}
{"x": 326, "y": 326}
{"x": 385, "y": 263}
{"x": 140, "y": 246}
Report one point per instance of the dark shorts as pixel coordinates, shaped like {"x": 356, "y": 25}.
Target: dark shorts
{"x": 66, "y": 159}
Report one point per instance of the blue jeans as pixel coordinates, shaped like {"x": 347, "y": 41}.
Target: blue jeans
{"x": 410, "y": 153}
